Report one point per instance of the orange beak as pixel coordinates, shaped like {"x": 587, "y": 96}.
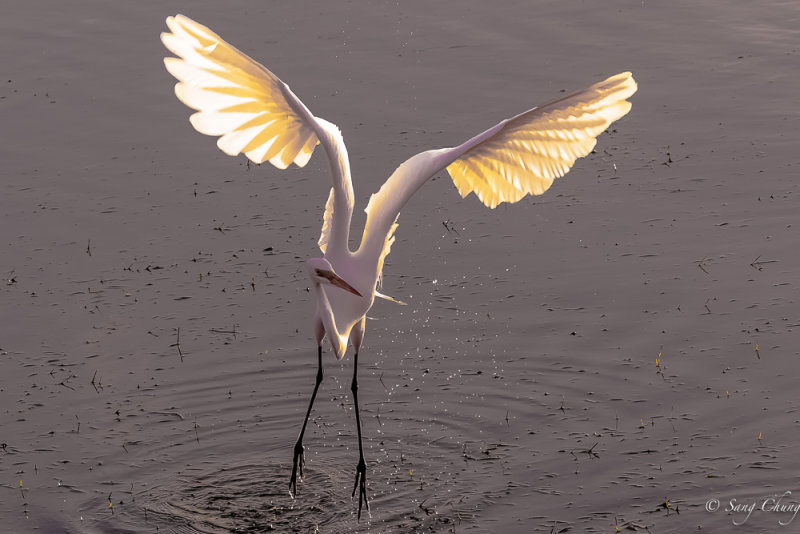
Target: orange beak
{"x": 337, "y": 281}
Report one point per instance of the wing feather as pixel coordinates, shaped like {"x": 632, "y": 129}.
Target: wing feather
{"x": 267, "y": 134}
{"x": 527, "y": 152}
{"x": 326, "y": 224}
{"x": 307, "y": 149}
{"x": 236, "y": 98}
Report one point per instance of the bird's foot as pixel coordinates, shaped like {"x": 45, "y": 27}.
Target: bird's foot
{"x": 298, "y": 462}
{"x": 361, "y": 485}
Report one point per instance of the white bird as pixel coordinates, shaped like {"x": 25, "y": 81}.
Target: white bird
{"x": 255, "y": 113}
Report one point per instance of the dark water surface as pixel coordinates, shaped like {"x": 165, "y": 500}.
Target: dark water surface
{"x": 615, "y": 353}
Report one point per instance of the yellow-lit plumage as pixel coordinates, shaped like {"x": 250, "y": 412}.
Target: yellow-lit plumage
{"x": 236, "y": 98}
{"x": 536, "y": 147}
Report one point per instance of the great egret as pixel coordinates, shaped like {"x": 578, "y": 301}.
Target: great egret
{"x": 255, "y": 113}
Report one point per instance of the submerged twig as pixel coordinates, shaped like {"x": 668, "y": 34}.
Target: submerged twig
{"x": 178, "y": 343}
{"x": 756, "y": 264}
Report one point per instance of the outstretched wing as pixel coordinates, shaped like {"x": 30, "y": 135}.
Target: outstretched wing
{"x": 252, "y": 110}
{"x": 236, "y": 97}
{"x": 520, "y": 156}
{"x": 524, "y": 154}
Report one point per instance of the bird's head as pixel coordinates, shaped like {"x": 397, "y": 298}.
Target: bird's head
{"x": 321, "y": 272}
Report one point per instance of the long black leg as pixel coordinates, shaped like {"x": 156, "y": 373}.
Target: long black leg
{"x": 361, "y": 469}
{"x": 299, "y": 459}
